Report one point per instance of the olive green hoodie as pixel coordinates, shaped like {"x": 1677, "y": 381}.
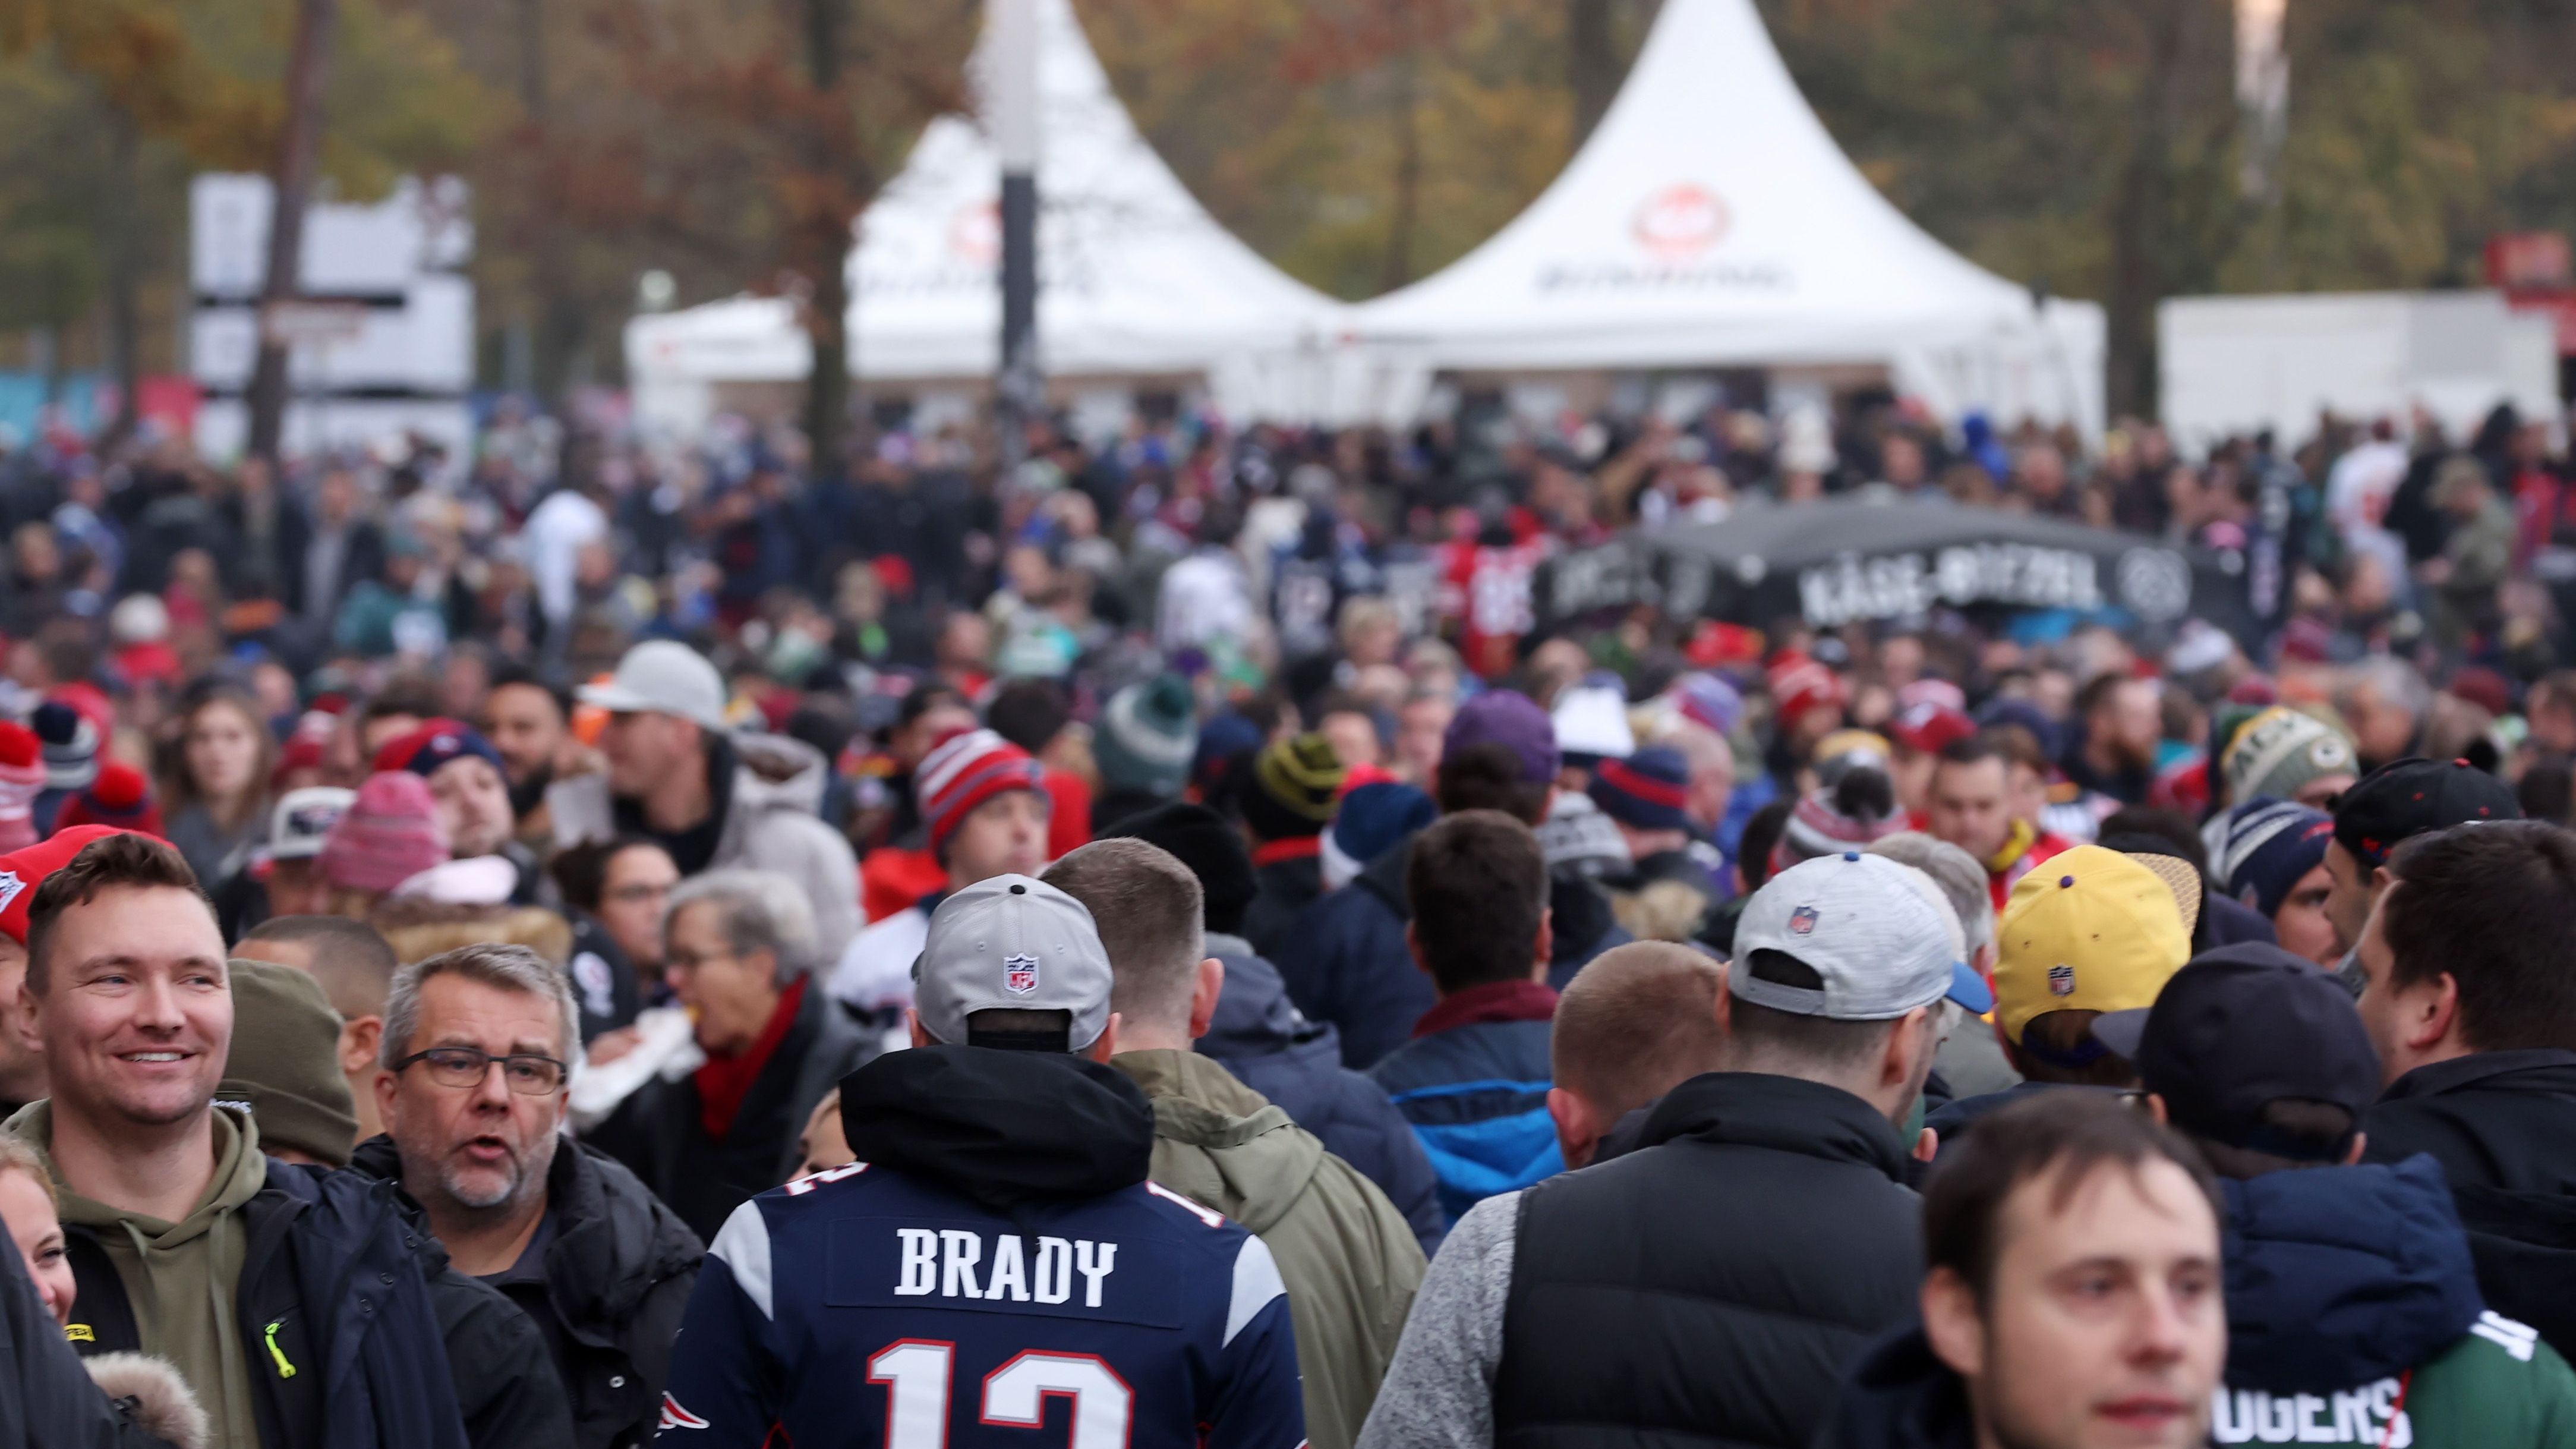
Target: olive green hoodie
{"x": 181, "y": 1277}
{"x": 1350, "y": 1262}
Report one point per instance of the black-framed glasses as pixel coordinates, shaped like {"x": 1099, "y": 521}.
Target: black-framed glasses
{"x": 525, "y": 1073}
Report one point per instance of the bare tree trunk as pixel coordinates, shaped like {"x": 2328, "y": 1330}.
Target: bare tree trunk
{"x": 1404, "y": 215}
{"x": 1591, "y": 62}
{"x": 827, "y": 386}
{"x": 119, "y": 222}
{"x": 299, "y": 152}
{"x": 2144, "y": 215}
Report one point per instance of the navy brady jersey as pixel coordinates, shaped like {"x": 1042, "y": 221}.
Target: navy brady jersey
{"x": 871, "y": 1308}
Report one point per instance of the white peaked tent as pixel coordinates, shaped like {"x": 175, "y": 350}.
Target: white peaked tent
{"x": 1710, "y": 221}
{"x": 1135, "y": 278}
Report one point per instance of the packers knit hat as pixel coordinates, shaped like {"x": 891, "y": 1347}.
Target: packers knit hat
{"x": 1294, "y": 784}
{"x": 1147, "y": 737}
{"x": 2280, "y": 751}
{"x": 967, "y": 769}
{"x": 2088, "y": 929}
{"x": 284, "y": 1070}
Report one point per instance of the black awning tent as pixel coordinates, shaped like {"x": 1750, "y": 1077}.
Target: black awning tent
{"x": 1848, "y": 560}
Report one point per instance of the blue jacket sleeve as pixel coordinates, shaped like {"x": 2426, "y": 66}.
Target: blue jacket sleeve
{"x": 1259, "y": 1401}
{"x": 723, "y": 1392}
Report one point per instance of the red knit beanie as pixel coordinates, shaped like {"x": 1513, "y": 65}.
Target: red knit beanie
{"x": 390, "y": 834}
{"x": 120, "y": 797}
{"x": 22, "y": 779}
{"x": 967, "y": 769}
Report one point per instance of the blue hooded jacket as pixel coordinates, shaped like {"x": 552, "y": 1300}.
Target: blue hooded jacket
{"x": 2341, "y": 1276}
{"x": 1271, "y": 1047}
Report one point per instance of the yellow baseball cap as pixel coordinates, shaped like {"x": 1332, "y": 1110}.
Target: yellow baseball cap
{"x": 2087, "y": 929}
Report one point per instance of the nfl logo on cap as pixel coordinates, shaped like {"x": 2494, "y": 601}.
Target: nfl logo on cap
{"x": 1019, "y": 974}
{"x": 2061, "y": 980}
{"x": 1802, "y": 921}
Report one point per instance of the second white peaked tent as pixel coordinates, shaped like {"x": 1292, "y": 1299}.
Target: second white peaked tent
{"x": 1135, "y": 278}
{"x": 1710, "y": 220}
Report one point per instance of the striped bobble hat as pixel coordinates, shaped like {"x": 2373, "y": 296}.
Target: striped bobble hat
{"x": 967, "y": 769}
{"x": 1294, "y": 785}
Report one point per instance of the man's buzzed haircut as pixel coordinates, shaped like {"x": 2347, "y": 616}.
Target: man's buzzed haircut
{"x": 1635, "y": 1022}
{"x": 351, "y": 959}
{"x": 1151, "y": 912}
{"x": 112, "y": 862}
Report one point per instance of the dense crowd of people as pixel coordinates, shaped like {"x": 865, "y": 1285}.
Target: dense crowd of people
{"x": 1169, "y": 944}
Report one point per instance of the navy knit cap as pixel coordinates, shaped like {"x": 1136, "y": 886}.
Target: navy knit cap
{"x": 2270, "y": 845}
{"x": 1646, "y": 791}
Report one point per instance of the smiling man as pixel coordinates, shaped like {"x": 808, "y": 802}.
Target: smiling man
{"x": 186, "y": 1241}
{"x": 477, "y": 1048}
{"x": 2073, "y": 1293}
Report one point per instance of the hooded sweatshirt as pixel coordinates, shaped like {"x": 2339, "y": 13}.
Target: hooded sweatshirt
{"x": 2352, "y": 1301}
{"x": 1349, "y": 1259}
{"x": 181, "y": 1277}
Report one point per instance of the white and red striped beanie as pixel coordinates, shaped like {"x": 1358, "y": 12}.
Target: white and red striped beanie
{"x": 967, "y": 769}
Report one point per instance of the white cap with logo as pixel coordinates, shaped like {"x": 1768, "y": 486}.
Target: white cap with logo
{"x": 663, "y": 676}
{"x": 1012, "y": 944}
{"x": 1865, "y": 924}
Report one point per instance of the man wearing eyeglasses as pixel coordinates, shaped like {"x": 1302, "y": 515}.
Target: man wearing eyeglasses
{"x": 478, "y": 1048}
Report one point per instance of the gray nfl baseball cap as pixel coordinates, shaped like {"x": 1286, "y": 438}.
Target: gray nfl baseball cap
{"x": 1868, "y": 927}
{"x": 663, "y": 676}
{"x": 1015, "y": 944}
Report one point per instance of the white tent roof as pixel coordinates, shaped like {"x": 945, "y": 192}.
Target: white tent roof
{"x": 1711, "y": 220}
{"x": 1134, "y": 276}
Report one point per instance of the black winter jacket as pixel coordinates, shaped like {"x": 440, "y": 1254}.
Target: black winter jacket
{"x": 338, "y": 1320}
{"x": 2500, "y": 1123}
{"x": 1633, "y": 1320}
{"x": 1281, "y": 890}
{"x": 1901, "y": 1397}
{"x": 47, "y": 1400}
{"x": 655, "y": 1132}
{"x": 617, "y": 1279}
{"x": 1271, "y": 1047}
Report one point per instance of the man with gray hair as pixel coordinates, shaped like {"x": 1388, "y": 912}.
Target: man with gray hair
{"x": 739, "y": 947}
{"x": 479, "y": 1045}
{"x": 1348, "y": 1257}
{"x": 1971, "y": 1061}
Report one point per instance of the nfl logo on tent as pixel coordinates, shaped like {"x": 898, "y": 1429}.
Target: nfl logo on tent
{"x": 1019, "y": 974}
{"x": 1802, "y": 921}
{"x": 2061, "y": 980}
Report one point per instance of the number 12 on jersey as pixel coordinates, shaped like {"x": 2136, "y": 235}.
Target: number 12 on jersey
{"x": 919, "y": 1374}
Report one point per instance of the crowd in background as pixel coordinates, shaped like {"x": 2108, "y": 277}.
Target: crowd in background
{"x": 442, "y": 897}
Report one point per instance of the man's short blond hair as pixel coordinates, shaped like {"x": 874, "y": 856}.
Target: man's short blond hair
{"x": 1636, "y": 1022}
{"x": 1152, "y": 915}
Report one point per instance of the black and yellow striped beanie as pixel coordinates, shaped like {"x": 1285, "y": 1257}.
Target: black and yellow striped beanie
{"x": 1294, "y": 784}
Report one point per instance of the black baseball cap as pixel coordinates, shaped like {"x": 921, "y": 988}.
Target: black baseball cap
{"x": 2239, "y": 1028}
{"x": 2406, "y": 798}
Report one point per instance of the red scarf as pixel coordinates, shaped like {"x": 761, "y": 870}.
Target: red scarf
{"x": 724, "y": 1082}
{"x": 1493, "y": 1001}
{"x": 1295, "y": 847}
